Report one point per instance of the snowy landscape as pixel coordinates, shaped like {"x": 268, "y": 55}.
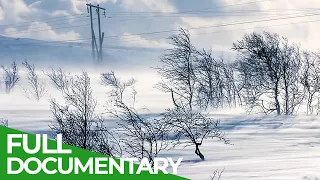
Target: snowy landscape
{"x": 232, "y": 87}
{"x": 263, "y": 147}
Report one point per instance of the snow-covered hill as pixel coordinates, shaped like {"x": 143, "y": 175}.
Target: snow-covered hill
{"x": 72, "y": 54}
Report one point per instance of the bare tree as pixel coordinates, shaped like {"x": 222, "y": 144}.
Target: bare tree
{"x": 215, "y": 81}
{"x": 269, "y": 69}
{"x": 118, "y": 87}
{"x": 260, "y": 70}
{"x": 36, "y": 86}
{"x": 4, "y": 122}
{"x": 177, "y": 69}
{"x": 191, "y": 128}
{"x": 11, "y": 76}
{"x": 310, "y": 80}
{"x": 195, "y": 77}
{"x": 142, "y": 137}
{"x": 293, "y": 93}
{"x": 179, "y": 74}
{"x": 59, "y": 79}
{"x": 77, "y": 121}
{"x": 208, "y": 73}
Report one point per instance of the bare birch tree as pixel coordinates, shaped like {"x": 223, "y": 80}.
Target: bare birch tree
{"x": 269, "y": 69}
{"x": 191, "y": 128}
{"x": 142, "y": 137}
{"x": 59, "y": 79}
{"x": 188, "y": 125}
{"x": 11, "y": 76}
{"x": 118, "y": 87}
{"x": 195, "y": 77}
{"x": 177, "y": 69}
{"x": 79, "y": 124}
{"x": 293, "y": 93}
{"x": 311, "y": 80}
{"x": 36, "y": 87}
{"x": 216, "y": 85}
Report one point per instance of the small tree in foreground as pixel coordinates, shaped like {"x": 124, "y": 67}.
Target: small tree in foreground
{"x": 216, "y": 175}
{"x": 4, "y": 122}
{"x": 77, "y": 121}
{"x": 11, "y": 76}
{"x": 36, "y": 86}
{"x": 142, "y": 137}
{"x": 192, "y": 128}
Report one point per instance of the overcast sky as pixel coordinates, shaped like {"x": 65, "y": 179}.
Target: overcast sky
{"x": 212, "y": 24}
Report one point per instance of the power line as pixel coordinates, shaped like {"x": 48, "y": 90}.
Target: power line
{"x": 45, "y": 29}
{"x": 177, "y": 13}
{"x": 45, "y": 19}
{"x": 202, "y": 27}
{"x": 213, "y": 14}
{"x": 39, "y": 29}
{"x": 57, "y": 22}
{"x": 163, "y": 16}
{"x": 166, "y": 31}
{"x": 219, "y": 25}
{"x": 36, "y": 29}
{"x": 189, "y": 11}
{"x": 216, "y": 15}
{"x": 84, "y": 44}
{"x": 52, "y": 42}
{"x": 68, "y": 16}
{"x": 237, "y": 12}
{"x": 224, "y": 31}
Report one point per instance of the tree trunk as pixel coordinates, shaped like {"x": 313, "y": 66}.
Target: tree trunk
{"x": 198, "y": 151}
{"x": 276, "y": 94}
{"x": 287, "y": 98}
{"x": 309, "y": 103}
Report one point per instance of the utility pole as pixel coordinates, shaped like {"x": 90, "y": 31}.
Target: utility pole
{"x": 92, "y": 35}
{"x": 101, "y": 34}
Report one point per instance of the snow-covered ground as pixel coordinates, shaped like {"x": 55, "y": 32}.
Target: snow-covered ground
{"x": 264, "y": 147}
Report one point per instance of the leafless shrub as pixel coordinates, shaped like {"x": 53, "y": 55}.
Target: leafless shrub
{"x": 11, "y": 76}
{"x": 191, "y": 128}
{"x": 79, "y": 124}
{"x": 216, "y": 175}
{"x": 4, "y": 122}
{"x": 59, "y": 79}
{"x": 36, "y": 87}
{"x": 142, "y": 137}
{"x": 118, "y": 87}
